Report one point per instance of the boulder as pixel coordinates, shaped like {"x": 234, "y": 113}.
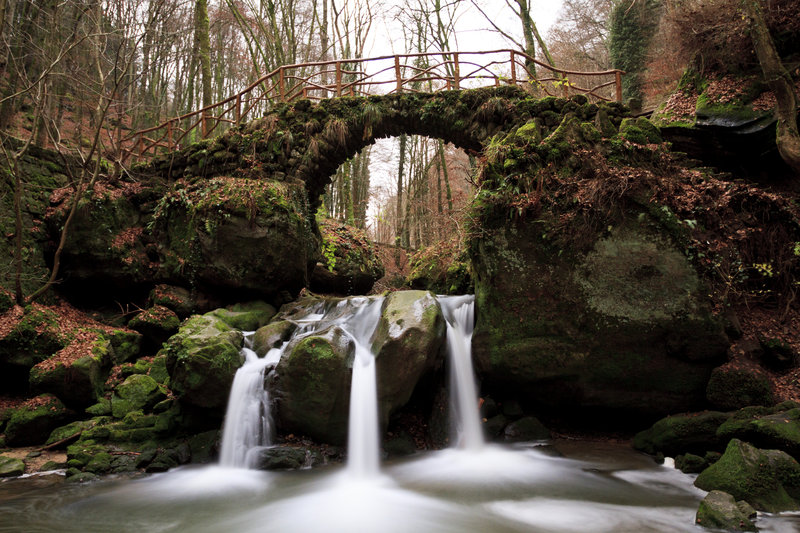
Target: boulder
{"x": 32, "y": 422}
{"x": 272, "y": 335}
{"x": 202, "y": 359}
{"x": 34, "y": 338}
{"x": 773, "y": 428}
{"x": 719, "y": 510}
{"x": 769, "y": 480}
{"x": 11, "y": 466}
{"x": 156, "y": 324}
{"x": 247, "y": 316}
{"x": 407, "y": 344}
{"x": 126, "y": 345}
{"x": 733, "y": 388}
{"x": 137, "y": 392}
{"x": 525, "y": 429}
{"x": 679, "y": 434}
{"x": 348, "y": 262}
{"x": 78, "y": 383}
{"x": 287, "y": 458}
{"x": 690, "y": 463}
{"x": 313, "y": 385}
{"x": 176, "y": 299}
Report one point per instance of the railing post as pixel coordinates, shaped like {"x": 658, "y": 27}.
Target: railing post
{"x": 338, "y": 78}
{"x": 238, "y": 108}
{"x": 456, "y": 72}
{"x": 513, "y": 69}
{"x": 169, "y": 135}
{"x": 397, "y": 74}
{"x": 565, "y": 84}
{"x": 203, "y": 125}
{"x": 618, "y": 76}
{"x": 140, "y": 144}
{"x": 282, "y": 84}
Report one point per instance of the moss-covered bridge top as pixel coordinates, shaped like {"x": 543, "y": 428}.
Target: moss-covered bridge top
{"x": 307, "y": 141}
{"x": 397, "y": 74}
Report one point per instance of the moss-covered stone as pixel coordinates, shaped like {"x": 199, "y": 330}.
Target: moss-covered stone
{"x": 102, "y": 407}
{"x": 525, "y": 429}
{"x": 32, "y": 422}
{"x": 690, "y": 463}
{"x": 10, "y": 466}
{"x": 679, "y": 434}
{"x": 33, "y": 339}
{"x": 126, "y": 345}
{"x": 347, "y": 263}
{"x": 272, "y": 335}
{"x": 246, "y": 316}
{"x": 719, "y": 510}
{"x": 408, "y": 343}
{"x": 70, "y": 430}
{"x": 135, "y": 393}
{"x": 202, "y": 359}
{"x": 79, "y": 382}
{"x": 442, "y": 269}
{"x": 769, "y": 480}
{"x": 313, "y": 385}
{"x": 733, "y": 388}
{"x": 178, "y": 299}
{"x": 774, "y": 428}
{"x": 156, "y": 324}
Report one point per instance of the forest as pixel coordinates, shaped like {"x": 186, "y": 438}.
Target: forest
{"x": 474, "y": 264}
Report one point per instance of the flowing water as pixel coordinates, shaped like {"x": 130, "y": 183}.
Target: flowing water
{"x": 569, "y": 487}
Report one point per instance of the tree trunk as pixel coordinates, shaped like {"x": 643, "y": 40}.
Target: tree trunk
{"x": 204, "y": 50}
{"x": 400, "y": 171}
{"x": 780, "y": 82}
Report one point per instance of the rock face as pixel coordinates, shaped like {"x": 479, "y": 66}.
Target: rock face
{"x": 202, "y": 359}
{"x": 408, "y": 344}
{"x": 769, "y": 480}
{"x": 623, "y": 325}
{"x": 314, "y": 375}
{"x": 348, "y": 263}
{"x": 719, "y": 510}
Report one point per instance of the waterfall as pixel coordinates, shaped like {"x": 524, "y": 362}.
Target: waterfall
{"x": 248, "y": 424}
{"x": 459, "y": 313}
{"x": 363, "y": 441}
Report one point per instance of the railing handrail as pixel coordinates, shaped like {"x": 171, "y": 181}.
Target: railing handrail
{"x": 420, "y": 73}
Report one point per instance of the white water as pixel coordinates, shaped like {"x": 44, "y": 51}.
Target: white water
{"x": 248, "y": 423}
{"x": 459, "y": 314}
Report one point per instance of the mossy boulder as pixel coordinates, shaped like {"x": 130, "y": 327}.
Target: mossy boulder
{"x": 126, "y": 345}
{"x": 442, "y": 269}
{"x": 64, "y": 432}
{"x": 679, "y": 434}
{"x": 78, "y": 383}
{"x": 202, "y": 359}
{"x": 408, "y": 343}
{"x": 137, "y": 392}
{"x": 769, "y": 480}
{"x": 347, "y": 263}
{"x": 246, "y": 316}
{"x": 732, "y": 388}
{"x": 32, "y": 422}
{"x": 639, "y": 131}
{"x": 313, "y": 385}
{"x": 719, "y": 510}
{"x": 34, "y": 338}
{"x": 177, "y": 299}
{"x": 156, "y": 324}
{"x": 11, "y": 466}
{"x": 272, "y": 335}
{"x": 616, "y": 320}
{"x": 525, "y": 429}
{"x": 779, "y": 429}
{"x": 690, "y": 463}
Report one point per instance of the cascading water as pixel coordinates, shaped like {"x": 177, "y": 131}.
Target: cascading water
{"x": 459, "y": 313}
{"x": 248, "y": 423}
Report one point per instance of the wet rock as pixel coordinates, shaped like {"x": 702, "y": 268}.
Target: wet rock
{"x": 769, "y": 480}
{"x": 719, "y": 510}
{"x": 690, "y": 463}
{"x": 271, "y": 336}
{"x": 287, "y": 458}
{"x": 678, "y": 434}
{"x": 408, "y": 344}
{"x": 493, "y": 427}
{"x": 399, "y": 444}
{"x": 525, "y": 429}
{"x": 245, "y": 316}
{"x": 349, "y": 264}
{"x": 10, "y": 466}
{"x": 32, "y": 422}
{"x": 202, "y": 359}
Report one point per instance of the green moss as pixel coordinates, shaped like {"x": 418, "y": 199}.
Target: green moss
{"x": 136, "y": 392}
{"x": 32, "y": 423}
{"x": 10, "y": 466}
{"x": 679, "y": 434}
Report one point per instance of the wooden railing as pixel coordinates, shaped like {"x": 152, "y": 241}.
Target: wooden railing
{"x": 428, "y": 72}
